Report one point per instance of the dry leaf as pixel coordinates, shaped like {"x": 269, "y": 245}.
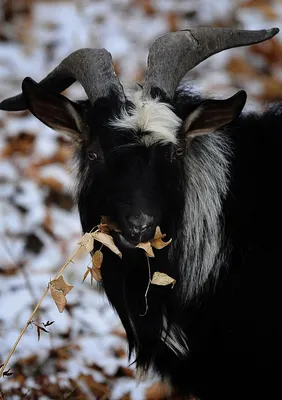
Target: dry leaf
{"x": 87, "y": 241}
{"x": 110, "y": 224}
{"x": 61, "y": 285}
{"x": 147, "y": 247}
{"x": 58, "y": 289}
{"x": 51, "y": 182}
{"x": 104, "y": 228}
{"x": 86, "y": 273}
{"x": 159, "y": 234}
{"x": 106, "y": 240}
{"x": 157, "y": 242}
{"x": 162, "y": 279}
{"x": 96, "y": 274}
{"x": 97, "y": 259}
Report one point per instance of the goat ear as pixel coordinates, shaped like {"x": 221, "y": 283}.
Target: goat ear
{"x": 54, "y": 110}
{"x": 213, "y": 115}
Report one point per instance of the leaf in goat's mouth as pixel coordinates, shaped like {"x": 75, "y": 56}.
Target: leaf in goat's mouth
{"x": 107, "y": 241}
{"x": 102, "y": 235}
{"x": 97, "y": 259}
{"x": 147, "y": 246}
{"x": 156, "y": 242}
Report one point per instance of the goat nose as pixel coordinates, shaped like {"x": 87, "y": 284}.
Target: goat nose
{"x": 139, "y": 223}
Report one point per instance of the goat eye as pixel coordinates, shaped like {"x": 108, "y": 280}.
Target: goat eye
{"x": 92, "y": 156}
{"x": 179, "y": 151}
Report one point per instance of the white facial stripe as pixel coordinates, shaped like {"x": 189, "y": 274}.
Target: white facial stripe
{"x": 155, "y": 120}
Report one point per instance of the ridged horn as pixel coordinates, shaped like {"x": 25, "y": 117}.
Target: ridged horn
{"x": 92, "y": 68}
{"x": 172, "y": 55}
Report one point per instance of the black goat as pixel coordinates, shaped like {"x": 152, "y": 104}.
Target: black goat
{"x": 209, "y": 177}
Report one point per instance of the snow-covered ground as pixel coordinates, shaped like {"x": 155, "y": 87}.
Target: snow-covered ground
{"x": 39, "y": 224}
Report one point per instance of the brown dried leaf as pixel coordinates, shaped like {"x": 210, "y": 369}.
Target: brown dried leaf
{"x": 96, "y": 274}
{"x": 97, "y": 259}
{"x": 239, "y": 66}
{"x": 58, "y": 289}
{"x": 111, "y": 224}
{"x": 60, "y": 285}
{"x": 104, "y": 228}
{"x": 157, "y": 242}
{"x": 22, "y": 143}
{"x": 162, "y": 279}
{"x": 51, "y": 182}
{"x": 159, "y": 234}
{"x": 106, "y": 240}
{"x": 147, "y": 247}
{"x": 87, "y": 241}
{"x": 86, "y": 274}
{"x": 59, "y": 298}
{"x": 98, "y": 389}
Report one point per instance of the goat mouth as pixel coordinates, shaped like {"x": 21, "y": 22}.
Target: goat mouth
{"x": 123, "y": 242}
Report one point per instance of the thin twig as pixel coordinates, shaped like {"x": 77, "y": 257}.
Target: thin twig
{"x": 34, "y": 312}
{"x": 147, "y": 290}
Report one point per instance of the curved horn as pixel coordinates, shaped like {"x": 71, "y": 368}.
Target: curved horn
{"x": 174, "y": 54}
{"x": 92, "y": 68}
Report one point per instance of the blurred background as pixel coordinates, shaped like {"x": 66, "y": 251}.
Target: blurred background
{"x": 83, "y": 355}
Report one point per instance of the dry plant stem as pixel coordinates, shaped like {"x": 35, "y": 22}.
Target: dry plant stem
{"x": 34, "y": 312}
{"x": 147, "y": 290}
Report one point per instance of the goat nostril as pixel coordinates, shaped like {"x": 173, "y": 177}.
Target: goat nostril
{"x": 139, "y": 224}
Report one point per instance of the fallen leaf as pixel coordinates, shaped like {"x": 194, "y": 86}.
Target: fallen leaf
{"x": 162, "y": 279}
{"x": 107, "y": 240}
{"x": 147, "y": 247}
{"x": 97, "y": 259}
{"x": 87, "y": 241}
{"x": 58, "y": 289}
{"x": 51, "y": 182}
{"x": 23, "y": 144}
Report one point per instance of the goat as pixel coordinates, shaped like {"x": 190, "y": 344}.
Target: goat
{"x": 209, "y": 177}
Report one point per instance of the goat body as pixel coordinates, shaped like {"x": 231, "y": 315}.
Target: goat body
{"x": 217, "y": 334}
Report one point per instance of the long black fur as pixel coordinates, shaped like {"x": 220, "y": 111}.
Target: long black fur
{"x": 233, "y": 326}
